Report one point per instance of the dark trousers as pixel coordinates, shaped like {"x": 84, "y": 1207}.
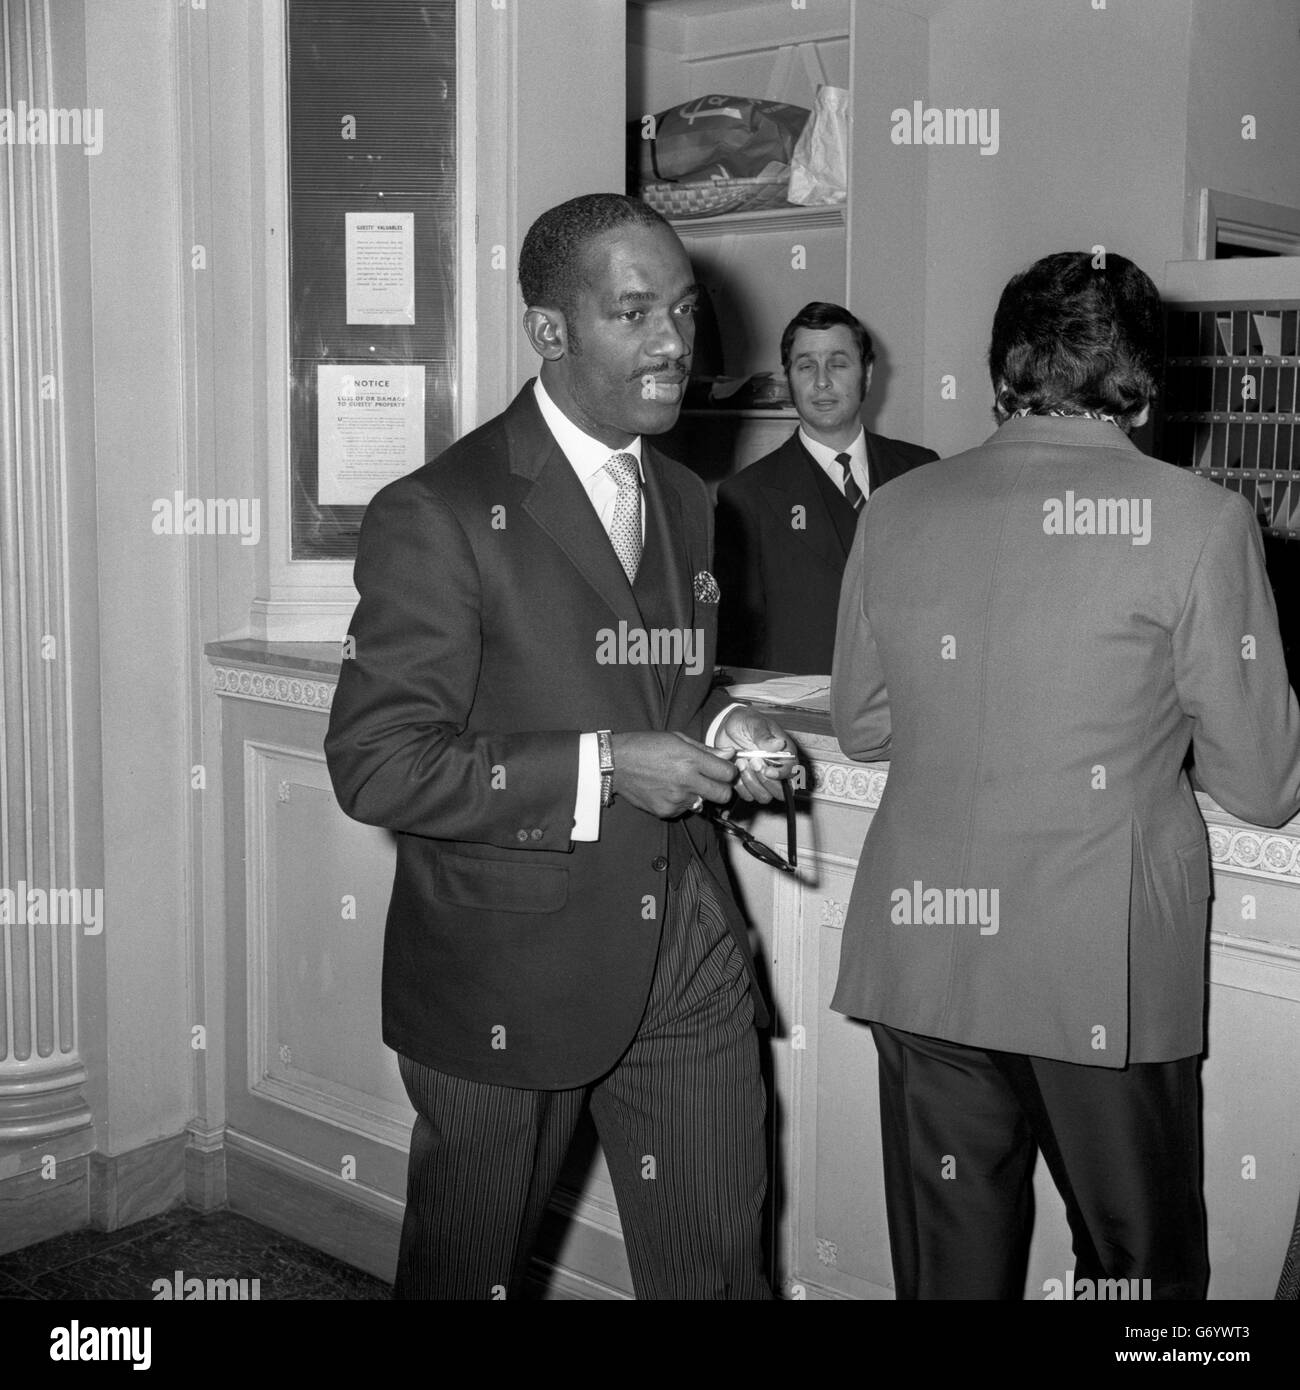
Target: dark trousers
{"x": 960, "y": 1125}
{"x": 680, "y": 1119}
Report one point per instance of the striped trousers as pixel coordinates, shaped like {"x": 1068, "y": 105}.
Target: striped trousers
{"x": 680, "y": 1120}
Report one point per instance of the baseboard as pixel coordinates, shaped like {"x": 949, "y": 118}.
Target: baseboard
{"x": 578, "y": 1255}
{"x": 205, "y": 1169}
{"x": 298, "y": 1198}
{"x": 61, "y": 1185}
{"x": 129, "y": 1187}
{"x": 550, "y": 1283}
{"x": 38, "y": 1204}
{"x": 580, "y": 1252}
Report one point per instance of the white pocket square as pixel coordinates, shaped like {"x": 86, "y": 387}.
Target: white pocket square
{"x": 706, "y": 588}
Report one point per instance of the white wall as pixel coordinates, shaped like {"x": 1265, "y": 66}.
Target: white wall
{"x": 887, "y": 214}
{"x": 139, "y": 253}
{"x": 1245, "y": 60}
{"x": 569, "y": 74}
{"x": 1093, "y": 127}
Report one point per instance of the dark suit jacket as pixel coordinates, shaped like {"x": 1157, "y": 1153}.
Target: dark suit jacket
{"x": 514, "y": 954}
{"x": 783, "y": 535}
{"x": 1036, "y": 692}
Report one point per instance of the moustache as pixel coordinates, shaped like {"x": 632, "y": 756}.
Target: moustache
{"x": 665, "y": 373}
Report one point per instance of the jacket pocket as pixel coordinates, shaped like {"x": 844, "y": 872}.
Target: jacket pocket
{"x": 1173, "y": 883}
{"x": 1195, "y": 861}
{"x": 495, "y": 885}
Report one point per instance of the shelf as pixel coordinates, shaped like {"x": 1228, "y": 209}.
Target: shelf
{"x": 765, "y": 220}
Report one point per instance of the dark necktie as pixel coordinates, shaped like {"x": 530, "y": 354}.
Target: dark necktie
{"x": 625, "y": 530}
{"x": 851, "y": 489}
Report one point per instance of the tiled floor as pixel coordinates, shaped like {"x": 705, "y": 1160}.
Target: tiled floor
{"x": 213, "y": 1245}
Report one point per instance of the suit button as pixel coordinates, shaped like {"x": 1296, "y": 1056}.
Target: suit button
{"x": 521, "y": 834}
{"x": 537, "y": 834}
{"x": 659, "y": 863}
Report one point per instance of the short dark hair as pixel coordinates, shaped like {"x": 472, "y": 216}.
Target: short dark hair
{"x": 1073, "y": 334}
{"x": 550, "y": 261}
{"x": 819, "y": 314}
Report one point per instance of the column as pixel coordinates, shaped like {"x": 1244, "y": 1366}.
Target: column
{"x": 44, "y": 905}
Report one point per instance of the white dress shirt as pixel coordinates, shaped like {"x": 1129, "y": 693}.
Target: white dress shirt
{"x": 588, "y": 457}
{"x": 824, "y": 455}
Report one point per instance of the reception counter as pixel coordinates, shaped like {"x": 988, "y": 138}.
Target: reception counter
{"x": 318, "y": 1122}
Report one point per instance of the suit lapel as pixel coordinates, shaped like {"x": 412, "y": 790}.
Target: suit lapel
{"x": 664, "y": 515}
{"x": 840, "y": 510}
{"x": 559, "y": 504}
{"x": 664, "y": 512}
{"x": 800, "y": 484}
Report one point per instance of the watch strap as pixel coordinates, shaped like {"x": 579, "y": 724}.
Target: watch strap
{"x": 605, "y": 745}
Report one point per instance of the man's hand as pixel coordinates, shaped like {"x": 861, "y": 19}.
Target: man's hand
{"x": 745, "y": 729}
{"x": 666, "y": 773}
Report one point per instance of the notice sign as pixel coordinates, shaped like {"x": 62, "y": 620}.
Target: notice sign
{"x": 371, "y": 429}
{"x": 380, "y": 258}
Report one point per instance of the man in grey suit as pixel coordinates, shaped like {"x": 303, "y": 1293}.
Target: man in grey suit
{"x": 1034, "y": 633}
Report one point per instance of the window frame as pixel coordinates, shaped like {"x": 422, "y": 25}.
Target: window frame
{"x": 312, "y": 600}
{"x": 1239, "y": 221}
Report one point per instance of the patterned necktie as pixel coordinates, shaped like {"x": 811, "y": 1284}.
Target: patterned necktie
{"x": 851, "y": 489}
{"x": 625, "y": 532}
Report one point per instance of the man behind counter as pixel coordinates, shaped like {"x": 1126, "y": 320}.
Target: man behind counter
{"x": 785, "y": 524}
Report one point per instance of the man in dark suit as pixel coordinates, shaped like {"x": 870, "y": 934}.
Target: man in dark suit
{"x": 529, "y": 708}
{"x": 785, "y": 524}
{"x": 1033, "y": 633}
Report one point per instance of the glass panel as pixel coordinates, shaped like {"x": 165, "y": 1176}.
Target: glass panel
{"x": 372, "y": 130}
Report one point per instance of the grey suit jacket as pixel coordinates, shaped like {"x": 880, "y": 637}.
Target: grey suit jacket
{"x": 1036, "y": 683}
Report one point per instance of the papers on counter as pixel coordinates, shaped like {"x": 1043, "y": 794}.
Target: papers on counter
{"x": 797, "y": 692}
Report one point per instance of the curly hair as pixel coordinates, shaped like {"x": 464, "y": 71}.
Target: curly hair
{"x": 1070, "y": 335}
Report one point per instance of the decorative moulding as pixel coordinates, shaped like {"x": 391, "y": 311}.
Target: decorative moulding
{"x": 1250, "y": 850}
{"x": 270, "y": 772}
{"x": 1239, "y": 848}
{"x": 1245, "y": 849}
{"x": 271, "y": 688}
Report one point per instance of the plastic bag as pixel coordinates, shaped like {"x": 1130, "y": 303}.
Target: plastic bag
{"x": 819, "y": 167}
{"x": 718, "y": 137}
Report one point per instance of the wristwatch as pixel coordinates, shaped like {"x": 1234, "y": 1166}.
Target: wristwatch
{"x": 605, "y": 742}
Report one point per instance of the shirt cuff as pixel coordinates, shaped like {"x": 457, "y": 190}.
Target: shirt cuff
{"x": 586, "y": 807}
{"x": 718, "y": 723}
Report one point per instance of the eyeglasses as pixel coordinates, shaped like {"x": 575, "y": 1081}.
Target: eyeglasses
{"x": 753, "y": 845}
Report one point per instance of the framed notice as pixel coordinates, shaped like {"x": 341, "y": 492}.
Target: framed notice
{"x": 370, "y": 429}
{"x": 380, "y": 264}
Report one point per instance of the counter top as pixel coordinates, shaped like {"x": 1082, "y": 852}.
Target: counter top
{"x": 303, "y": 675}
{"x": 319, "y": 658}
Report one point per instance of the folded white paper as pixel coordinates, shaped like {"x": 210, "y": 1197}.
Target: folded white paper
{"x": 808, "y": 692}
